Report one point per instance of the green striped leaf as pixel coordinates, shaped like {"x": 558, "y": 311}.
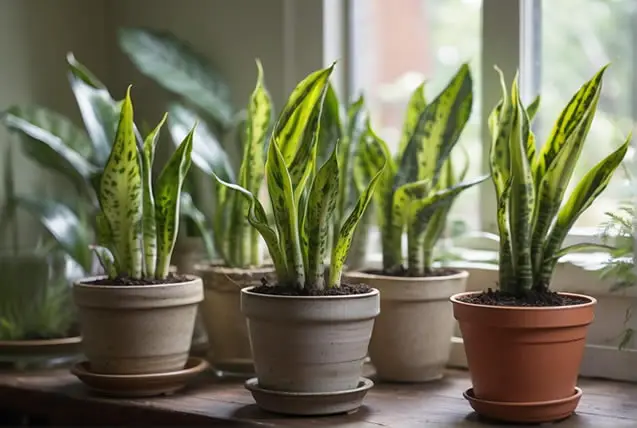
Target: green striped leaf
{"x": 320, "y": 207}
{"x": 532, "y": 108}
{"x": 286, "y": 213}
{"x": 106, "y": 259}
{"x": 148, "y": 225}
{"x": 189, "y": 209}
{"x": 167, "y": 202}
{"x": 415, "y": 109}
{"x": 500, "y": 122}
{"x": 331, "y": 126}
{"x": 341, "y": 247}
{"x": 121, "y": 194}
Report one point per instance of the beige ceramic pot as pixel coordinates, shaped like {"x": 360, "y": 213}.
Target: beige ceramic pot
{"x": 229, "y": 345}
{"x": 307, "y": 344}
{"x": 142, "y": 329}
{"x": 411, "y": 341}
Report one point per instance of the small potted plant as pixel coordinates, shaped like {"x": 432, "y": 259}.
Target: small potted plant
{"x": 139, "y": 317}
{"x": 412, "y": 335}
{"x": 309, "y": 331}
{"x": 524, "y": 342}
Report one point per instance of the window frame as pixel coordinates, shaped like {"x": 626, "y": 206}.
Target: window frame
{"x": 508, "y": 30}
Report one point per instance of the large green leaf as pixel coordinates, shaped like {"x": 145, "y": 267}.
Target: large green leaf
{"x": 177, "y": 67}
{"x": 64, "y": 225}
{"x": 331, "y": 126}
{"x": 415, "y": 108}
{"x": 167, "y": 202}
{"x": 189, "y": 209}
{"x": 99, "y": 110}
{"x": 320, "y": 207}
{"x": 207, "y": 153}
{"x": 121, "y": 194}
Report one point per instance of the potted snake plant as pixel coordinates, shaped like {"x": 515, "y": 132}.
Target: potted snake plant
{"x": 412, "y": 335}
{"x": 139, "y": 317}
{"x": 308, "y": 329}
{"x": 524, "y": 342}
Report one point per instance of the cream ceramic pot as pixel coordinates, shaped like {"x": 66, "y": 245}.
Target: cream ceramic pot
{"x": 411, "y": 341}
{"x": 137, "y": 329}
{"x": 309, "y": 344}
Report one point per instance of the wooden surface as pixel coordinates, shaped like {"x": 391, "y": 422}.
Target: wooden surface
{"x": 60, "y": 398}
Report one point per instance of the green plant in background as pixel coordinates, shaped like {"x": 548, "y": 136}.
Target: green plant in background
{"x": 78, "y": 155}
{"x": 303, "y": 199}
{"x": 530, "y": 184}
{"x": 418, "y": 187}
{"x": 138, "y": 222}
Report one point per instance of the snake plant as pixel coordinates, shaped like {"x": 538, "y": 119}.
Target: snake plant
{"x": 303, "y": 196}
{"x": 138, "y": 221}
{"x": 533, "y": 214}
{"x": 418, "y": 186}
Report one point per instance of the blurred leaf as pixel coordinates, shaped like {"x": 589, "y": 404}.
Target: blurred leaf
{"x": 189, "y": 210}
{"x": 207, "y": 152}
{"x": 178, "y": 68}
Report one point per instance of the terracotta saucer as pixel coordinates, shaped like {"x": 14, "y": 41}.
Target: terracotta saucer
{"x": 538, "y": 412}
{"x": 308, "y": 403}
{"x": 144, "y": 385}
{"x": 40, "y": 353}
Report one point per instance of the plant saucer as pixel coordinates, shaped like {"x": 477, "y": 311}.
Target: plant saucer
{"x": 531, "y": 412}
{"x": 40, "y": 353}
{"x": 141, "y": 385}
{"x": 308, "y": 403}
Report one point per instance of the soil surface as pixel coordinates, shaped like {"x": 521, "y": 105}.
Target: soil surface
{"x": 125, "y": 280}
{"x": 402, "y": 272}
{"x": 343, "y": 290}
{"x": 529, "y": 299}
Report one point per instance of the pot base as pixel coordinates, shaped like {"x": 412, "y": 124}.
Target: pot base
{"x": 309, "y": 404}
{"x": 135, "y": 386}
{"x": 540, "y": 412}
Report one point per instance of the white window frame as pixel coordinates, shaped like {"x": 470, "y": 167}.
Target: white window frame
{"x": 503, "y": 31}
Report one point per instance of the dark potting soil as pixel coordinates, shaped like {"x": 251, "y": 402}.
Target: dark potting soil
{"x": 277, "y": 290}
{"x": 530, "y": 298}
{"x": 402, "y": 272}
{"x": 125, "y": 280}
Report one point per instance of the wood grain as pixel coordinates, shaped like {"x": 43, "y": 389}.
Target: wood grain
{"x": 61, "y": 399}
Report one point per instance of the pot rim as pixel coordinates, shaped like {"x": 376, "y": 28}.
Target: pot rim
{"x": 462, "y": 273}
{"x": 220, "y": 265}
{"x": 455, "y": 299}
{"x": 246, "y": 291}
{"x": 82, "y": 283}
{"x": 70, "y": 340}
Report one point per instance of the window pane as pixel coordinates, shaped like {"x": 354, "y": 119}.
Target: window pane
{"x": 578, "y": 37}
{"x": 399, "y": 43}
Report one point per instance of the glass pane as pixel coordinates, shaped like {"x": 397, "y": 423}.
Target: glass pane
{"x": 578, "y": 37}
{"x": 399, "y": 43}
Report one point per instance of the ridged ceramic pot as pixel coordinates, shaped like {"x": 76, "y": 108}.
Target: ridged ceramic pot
{"x": 229, "y": 344}
{"x": 524, "y": 361}
{"x": 306, "y": 344}
{"x": 411, "y": 341}
{"x": 137, "y": 329}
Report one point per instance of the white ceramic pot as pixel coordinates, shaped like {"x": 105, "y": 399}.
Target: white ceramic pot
{"x": 309, "y": 344}
{"x": 225, "y": 325}
{"x": 137, "y": 329}
{"x": 411, "y": 341}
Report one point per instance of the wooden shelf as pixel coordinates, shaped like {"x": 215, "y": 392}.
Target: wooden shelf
{"x": 61, "y": 399}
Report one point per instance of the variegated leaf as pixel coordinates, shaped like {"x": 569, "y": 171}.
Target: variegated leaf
{"x": 415, "y": 108}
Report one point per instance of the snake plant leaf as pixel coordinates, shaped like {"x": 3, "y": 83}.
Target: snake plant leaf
{"x": 50, "y": 151}
{"x": 190, "y": 210}
{"x": 533, "y": 107}
{"x": 415, "y": 109}
{"x": 587, "y": 190}
{"x": 500, "y": 121}
{"x": 351, "y": 157}
{"x": 284, "y": 208}
{"x": 583, "y": 246}
{"x": 506, "y": 274}
{"x": 99, "y": 110}
{"x": 106, "y": 259}
{"x": 167, "y": 202}
{"x": 178, "y": 68}
{"x": 320, "y": 208}
{"x": 259, "y": 220}
{"x": 121, "y": 194}
{"x": 65, "y": 227}
{"x": 207, "y": 153}
{"x": 291, "y": 125}
{"x": 341, "y": 247}
{"x": 220, "y": 220}
{"x": 148, "y": 224}
{"x": 331, "y": 125}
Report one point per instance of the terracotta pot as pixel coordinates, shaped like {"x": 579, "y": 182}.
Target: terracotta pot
{"x": 144, "y": 329}
{"x": 309, "y": 344}
{"x": 411, "y": 341}
{"x": 229, "y": 344}
{"x": 520, "y": 358}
